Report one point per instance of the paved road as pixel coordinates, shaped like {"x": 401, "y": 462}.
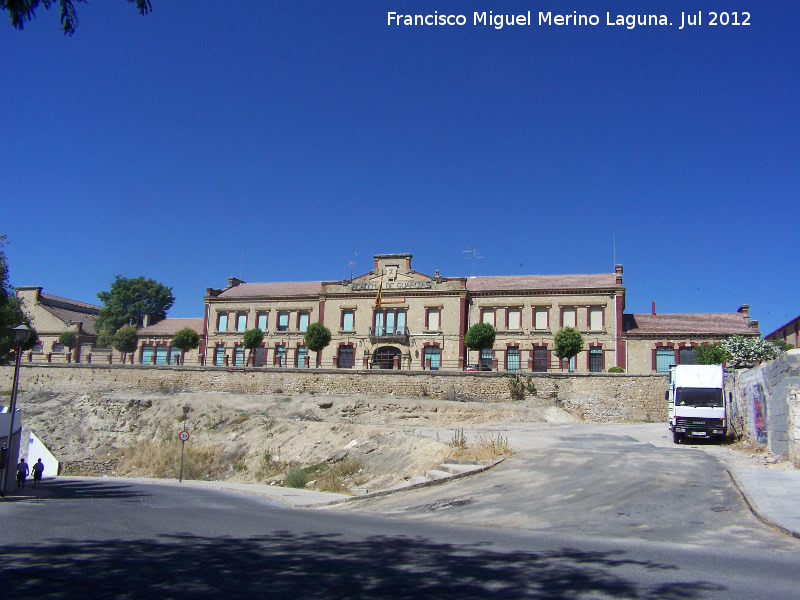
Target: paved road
{"x": 608, "y": 481}
{"x": 130, "y": 540}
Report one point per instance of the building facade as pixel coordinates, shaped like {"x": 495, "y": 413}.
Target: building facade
{"x": 394, "y": 317}
{"x": 51, "y": 316}
{"x": 653, "y": 341}
{"x": 789, "y": 333}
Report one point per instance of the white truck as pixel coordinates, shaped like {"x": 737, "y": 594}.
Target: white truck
{"x": 696, "y": 402}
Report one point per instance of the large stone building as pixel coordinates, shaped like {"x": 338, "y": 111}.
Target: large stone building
{"x": 395, "y": 317}
{"x": 51, "y": 316}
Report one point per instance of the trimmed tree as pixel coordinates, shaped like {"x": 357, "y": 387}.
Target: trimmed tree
{"x": 125, "y": 340}
{"x": 567, "y": 343}
{"x": 317, "y": 338}
{"x": 185, "y": 339}
{"x": 479, "y": 337}
{"x": 70, "y": 340}
{"x": 252, "y": 339}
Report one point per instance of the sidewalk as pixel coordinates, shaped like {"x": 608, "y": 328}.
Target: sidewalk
{"x": 773, "y": 496}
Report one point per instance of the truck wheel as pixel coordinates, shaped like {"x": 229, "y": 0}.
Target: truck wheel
{"x": 676, "y": 437}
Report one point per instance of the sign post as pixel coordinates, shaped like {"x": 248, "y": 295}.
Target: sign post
{"x": 183, "y": 436}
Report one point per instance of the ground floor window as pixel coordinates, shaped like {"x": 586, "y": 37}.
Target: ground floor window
{"x": 433, "y": 354}
{"x": 147, "y": 354}
{"x": 540, "y": 358}
{"x": 174, "y": 356}
{"x": 571, "y": 367}
{"x": 238, "y": 355}
{"x": 346, "y": 357}
{"x": 258, "y": 356}
{"x": 512, "y": 359}
{"x": 665, "y": 356}
{"x": 686, "y": 356}
{"x": 161, "y": 354}
{"x": 486, "y": 358}
{"x": 280, "y": 355}
{"x": 300, "y": 360}
{"x": 219, "y": 355}
{"x": 596, "y": 359}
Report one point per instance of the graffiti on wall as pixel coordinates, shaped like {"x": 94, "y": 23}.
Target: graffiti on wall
{"x": 756, "y": 410}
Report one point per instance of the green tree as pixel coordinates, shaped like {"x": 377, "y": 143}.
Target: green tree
{"x": 712, "y": 354}
{"x": 128, "y": 302}
{"x": 746, "y": 351}
{"x": 185, "y": 339}
{"x": 125, "y": 340}
{"x": 11, "y": 314}
{"x": 479, "y": 337}
{"x": 317, "y": 337}
{"x": 567, "y": 342}
{"x": 252, "y": 339}
{"x": 25, "y": 10}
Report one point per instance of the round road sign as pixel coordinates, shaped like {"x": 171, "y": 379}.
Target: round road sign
{"x": 183, "y": 435}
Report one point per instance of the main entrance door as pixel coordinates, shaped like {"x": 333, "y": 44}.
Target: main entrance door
{"x": 384, "y": 357}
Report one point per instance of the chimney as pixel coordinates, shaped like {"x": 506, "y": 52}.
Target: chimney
{"x": 744, "y": 310}
{"x": 234, "y": 281}
{"x": 618, "y": 271}
{"x": 654, "y": 308}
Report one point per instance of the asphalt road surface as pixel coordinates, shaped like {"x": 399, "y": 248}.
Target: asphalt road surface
{"x": 532, "y": 537}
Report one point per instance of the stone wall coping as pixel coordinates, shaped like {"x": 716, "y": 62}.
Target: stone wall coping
{"x": 367, "y": 372}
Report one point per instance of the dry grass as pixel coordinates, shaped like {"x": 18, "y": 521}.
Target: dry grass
{"x": 485, "y": 448}
{"x": 342, "y": 476}
{"x": 163, "y": 459}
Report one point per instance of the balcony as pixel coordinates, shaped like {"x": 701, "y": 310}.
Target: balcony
{"x": 388, "y": 335}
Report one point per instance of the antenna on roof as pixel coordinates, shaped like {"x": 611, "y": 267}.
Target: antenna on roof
{"x": 352, "y": 264}
{"x": 472, "y": 253}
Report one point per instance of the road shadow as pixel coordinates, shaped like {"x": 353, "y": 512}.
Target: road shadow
{"x": 71, "y": 489}
{"x": 316, "y": 566}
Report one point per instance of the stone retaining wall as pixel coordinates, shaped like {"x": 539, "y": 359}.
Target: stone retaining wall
{"x": 593, "y": 396}
{"x": 767, "y": 402}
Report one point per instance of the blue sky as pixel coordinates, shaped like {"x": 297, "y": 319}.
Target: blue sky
{"x": 270, "y": 140}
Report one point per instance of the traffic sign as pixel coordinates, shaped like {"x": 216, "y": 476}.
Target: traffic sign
{"x": 183, "y": 435}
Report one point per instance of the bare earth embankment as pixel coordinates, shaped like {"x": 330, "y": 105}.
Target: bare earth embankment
{"x": 343, "y": 443}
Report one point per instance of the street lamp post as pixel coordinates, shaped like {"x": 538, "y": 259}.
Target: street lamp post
{"x": 184, "y": 435}
{"x": 21, "y": 334}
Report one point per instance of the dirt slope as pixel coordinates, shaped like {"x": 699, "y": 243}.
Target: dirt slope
{"x": 257, "y": 438}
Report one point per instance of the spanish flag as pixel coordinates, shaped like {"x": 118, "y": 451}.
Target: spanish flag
{"x": 380, "y": 289}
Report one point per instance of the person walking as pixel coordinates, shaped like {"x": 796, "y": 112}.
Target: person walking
{"x": 22, "y": 472}
{"x": 37, "y": 470}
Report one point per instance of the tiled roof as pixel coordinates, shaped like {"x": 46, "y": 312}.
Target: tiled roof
{"x": 50, "y": 300}
{"x": 72, "y": 316}
{"x": 251, "y": 290}
{"x": 170, "y": 327}
{"x": 697, "y": 323}
{"x": 541, "y": 282}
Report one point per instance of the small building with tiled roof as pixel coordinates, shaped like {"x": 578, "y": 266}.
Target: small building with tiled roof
{"x": 155, "y": 342}
{"x": 52, "y": 315}
{"x": 656, "y": 341}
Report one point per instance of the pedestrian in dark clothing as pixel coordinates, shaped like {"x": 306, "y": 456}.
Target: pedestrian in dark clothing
{"x": 37, "y": 470}
{"x": 22, "y": 472}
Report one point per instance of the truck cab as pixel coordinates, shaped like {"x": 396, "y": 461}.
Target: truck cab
{"x": 696, "y": 402}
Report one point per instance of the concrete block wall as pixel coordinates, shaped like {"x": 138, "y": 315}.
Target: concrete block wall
{"x": 594, "y": 396}
{"x": 768, "y": 398}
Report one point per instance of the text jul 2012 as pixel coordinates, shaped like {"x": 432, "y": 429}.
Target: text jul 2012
{"x": 549, "y": 19}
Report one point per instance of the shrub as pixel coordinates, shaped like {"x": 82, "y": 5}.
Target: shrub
{"x": 616, "y": 370}
{"x": 68, "y": 339}
{"x": 296, "y": 478}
